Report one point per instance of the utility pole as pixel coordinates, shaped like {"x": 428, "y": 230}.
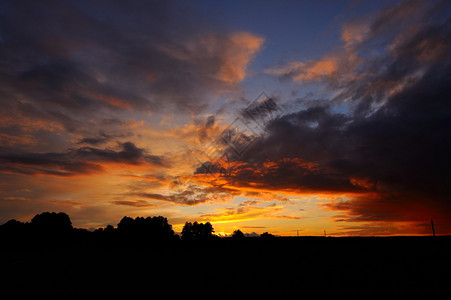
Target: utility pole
{"x": 325, "y": 233}
{"x": 297, "y": 233}
{"x": 432, "y": 225}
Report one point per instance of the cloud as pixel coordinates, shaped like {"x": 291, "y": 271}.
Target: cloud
{"x": 192, "y": 194}
{"x": 101, "y": 139}
{"x": 81, "y": 161}
{"x": 368, "y": 47}
{"x": 236, "y": 58}
{"x": 354, "y": 33}
{"x": 134, "y": 203}
{"x": 233, "y": 214}
{"x": 308, "y": 71}
{"x": 284, "y": 172}
{"x": 65, "y": 202}
{"x": 387, "y": 152}
{"x": 382, "y": 229}
{"x": 249, "y": 202}
{"x": 74, "y": 73}
{"x": 200, "y": 132}
{"x": 78, "y": 57}
{"x": 130, "y": 154}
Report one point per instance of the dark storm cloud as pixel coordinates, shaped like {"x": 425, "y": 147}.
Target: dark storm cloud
{"x": 393, "y": 148}
{"x": 81, "y": 161}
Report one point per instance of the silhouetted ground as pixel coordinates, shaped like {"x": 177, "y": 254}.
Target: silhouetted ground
{"x": 251, "y": 268}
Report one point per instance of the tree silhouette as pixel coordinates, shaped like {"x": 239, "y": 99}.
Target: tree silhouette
{"x": 47, "y": 222}
{"x": 109, "y": 228}
{"x": 155, "y": 228}
{"x": 238, "y": 234}
{"x": 197, "y": 231}
{"x": 13, "y": 225}
{"x": 14, "y": 230}
{"x": 266, "y": 235}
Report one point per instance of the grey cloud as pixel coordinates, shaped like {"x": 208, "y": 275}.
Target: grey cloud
{"x": 79, "y": 161}
{"x": 192, "y": 195}
{"x": 78, "y": 57}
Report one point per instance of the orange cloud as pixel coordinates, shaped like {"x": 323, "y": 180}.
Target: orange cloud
{"x": 28, "y": 123}
{"x": 362, "y": 182}
{"x": 308, "y": 71}
{"x": 196, "y": 134}
{"x": 10, "y": 140}
{"x": 111, "y": 100}
{"x": 246, "y": 213}
{"x": 134, "y": 203}
{"x": 236, "y": 58}
{"x": 292, "y": 175}
{"x": 65, "y": 202}
{"x": 339, "y": 64}
{"x": 228, "y": 55}
{"x": 353, "y": 33}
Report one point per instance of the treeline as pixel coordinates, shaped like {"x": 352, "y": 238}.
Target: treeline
{"x": 51, "y": 227}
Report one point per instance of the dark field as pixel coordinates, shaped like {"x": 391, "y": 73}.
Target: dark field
{"x": 252, "y": 268}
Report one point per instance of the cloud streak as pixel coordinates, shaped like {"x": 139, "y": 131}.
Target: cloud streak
{"x": 232, "y": 214}
{"x": 81, "y": 161}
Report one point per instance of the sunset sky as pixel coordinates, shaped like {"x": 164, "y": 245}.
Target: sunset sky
{"x": 267, "y": 116}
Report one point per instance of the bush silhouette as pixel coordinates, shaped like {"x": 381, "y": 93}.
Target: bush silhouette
{"x": 197, "y": 231}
